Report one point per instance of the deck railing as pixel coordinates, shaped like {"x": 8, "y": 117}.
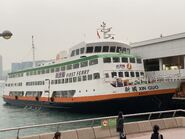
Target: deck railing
{"x": 147, "y": 115}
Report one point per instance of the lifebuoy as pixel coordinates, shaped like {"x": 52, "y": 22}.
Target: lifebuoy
{"x": 129, "y": 66}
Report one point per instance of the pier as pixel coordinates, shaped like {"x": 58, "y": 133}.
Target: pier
{"x": 171, "y": 123}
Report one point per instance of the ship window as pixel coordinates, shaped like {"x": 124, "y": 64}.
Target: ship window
{"x": 97, "y": 49}
{"x": 137, "y": 74}
{"x": 116, "y": 59}
{"x": 84, "y": 64}
{"x": 57, "y": 69}
{"x": 66, "y": 80}
{"x": 107, "y": 60}
{"x": 59, "y": 81}
{"x": 112, "y": 48}
{"x": 76, "y": 65}
{"x": 114, "y": 74}
{"x": 63, "y": 68}
{"x": 93, "y": 62}
{"x": 120, "y": 74}
{"x": 70, "y": 80}
{"x": 128, "y": 50}
{"x": 52, "y": 70}
{"x": 124, "y": 49}
{"x": 96, "y": 75}
{"x": 82, "y": 50}
{"x": 38, "y": 72}
{"x": 118, "y": 49}
{"x": 73, "y": 53}
{"x": 126, "y": 74}
{"x": 69, "y": 67}
{"x": 139, "y": 60}
{"x": 74, "y": 79}
{"x": 47, "y": 70}
{"x": 43, "y": 71}
{"x": 62, "y": 81}
{"x": 124, "y": 59}
{"x": 142, "y": 74}
{"x": 105, "y": 48}
{"x": 84, "y": 78}
{"x": 31, "y": 73}
{"x": 79, "y": 78}
{"x": 132, "y": 60}
{"x": 77, "y": 51}
{"x": 106, "y": 75}
{"x": 89, "y": 49}
{"x": 132, "y": 74}
{"x": 90, "y": 77}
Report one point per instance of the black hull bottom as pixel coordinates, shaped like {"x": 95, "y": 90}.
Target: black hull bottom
{"x": 127, "y": 105}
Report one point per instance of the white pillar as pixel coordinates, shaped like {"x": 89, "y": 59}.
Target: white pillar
{"x": 160, "y": 64}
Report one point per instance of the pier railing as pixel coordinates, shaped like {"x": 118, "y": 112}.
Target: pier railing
{"x": 94, "y": 121}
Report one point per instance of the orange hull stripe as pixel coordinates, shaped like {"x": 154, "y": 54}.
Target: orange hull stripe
{"x": 98, "y": 98}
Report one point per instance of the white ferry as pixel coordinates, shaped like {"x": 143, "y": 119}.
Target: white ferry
{"x": 94, "y": 75}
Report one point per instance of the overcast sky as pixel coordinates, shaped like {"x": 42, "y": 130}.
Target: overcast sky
{"x": 59, "y": 24}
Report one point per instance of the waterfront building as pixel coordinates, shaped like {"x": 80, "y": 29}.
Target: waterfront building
{"x": 1, "y": 67}
{"x": 163, "y": 56}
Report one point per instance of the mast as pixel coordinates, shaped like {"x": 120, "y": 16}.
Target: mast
{"x": 33, "y": 48}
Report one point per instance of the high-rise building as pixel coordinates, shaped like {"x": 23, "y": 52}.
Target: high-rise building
{"x": 25, "y": 65}
{"x": 1, "y": 67}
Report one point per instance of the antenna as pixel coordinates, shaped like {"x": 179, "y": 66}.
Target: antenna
{"x": 33, "y": 47}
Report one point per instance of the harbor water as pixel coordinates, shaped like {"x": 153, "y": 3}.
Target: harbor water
{"x": 11, "y": 116}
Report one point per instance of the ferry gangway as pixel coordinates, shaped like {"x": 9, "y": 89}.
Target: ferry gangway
{"x": 173, "y": 113}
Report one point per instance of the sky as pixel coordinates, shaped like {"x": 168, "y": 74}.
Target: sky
{"x": 59, "y": 24}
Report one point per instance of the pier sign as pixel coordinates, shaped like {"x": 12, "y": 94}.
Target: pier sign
{"x": 108, "y": 123}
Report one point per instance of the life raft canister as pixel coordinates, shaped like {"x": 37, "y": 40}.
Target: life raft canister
{"x": 129, "y": 66}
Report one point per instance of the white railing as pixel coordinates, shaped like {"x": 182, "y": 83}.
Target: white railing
{"x": 179, "y": 74}
{"x": 93, "y": 120}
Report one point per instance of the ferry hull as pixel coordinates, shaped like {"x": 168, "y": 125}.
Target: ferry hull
{"x": 127, "y": 105}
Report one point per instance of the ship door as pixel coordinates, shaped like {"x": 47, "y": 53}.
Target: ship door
{"x": 47, "y": 88}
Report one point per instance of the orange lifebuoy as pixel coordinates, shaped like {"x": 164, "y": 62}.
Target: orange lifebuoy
{"x": 129, "y": 66}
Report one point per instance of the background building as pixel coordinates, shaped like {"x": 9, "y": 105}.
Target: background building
{"x": 25, "y": 65}
{"x": 1, "y": 67}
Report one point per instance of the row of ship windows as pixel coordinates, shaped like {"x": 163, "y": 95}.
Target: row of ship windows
{"x": 13, "y": 84}
{"x": 125, "y": 74}
{"x": 77, "y": 79}
{"x": 57, "y": 69}
{"x": 65, "y": 93}
{"x": 82, "y": 78}
{"x": 80, "y": 65}
{"x": 122, "y": 59}
{"x": 28, "y": 93}
{"x": 35, "y": 83}
{"x": 99, "y": 49}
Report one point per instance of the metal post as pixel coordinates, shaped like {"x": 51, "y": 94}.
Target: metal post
{"x": 18, "y": 133}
